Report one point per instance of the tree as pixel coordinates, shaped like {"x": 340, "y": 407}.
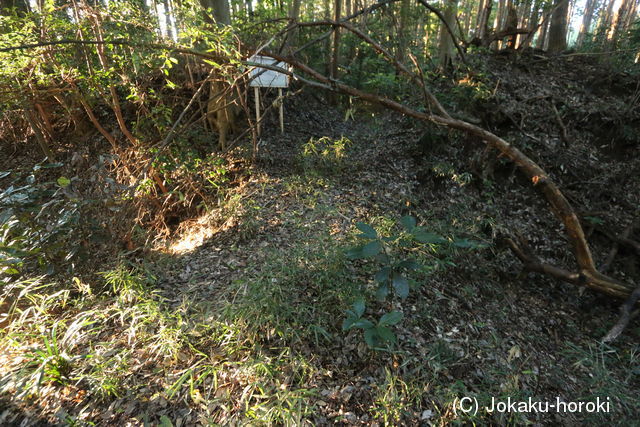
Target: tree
{"x": 587, "y": 17}
{"x": 622, "y": 20}
{"x": 445, "y": 44}
{"x": 403, "y": 33}
{"x": 220, "y": 10}
{"x": 483, "y": 19}
{"x": 294, "y": 15}
{"x": 558, "y": 27}
{"x": 511, "y": 24}
{"x": 335, "y": 49}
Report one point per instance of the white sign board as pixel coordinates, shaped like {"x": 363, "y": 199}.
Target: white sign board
{"x": 263, "y": 77}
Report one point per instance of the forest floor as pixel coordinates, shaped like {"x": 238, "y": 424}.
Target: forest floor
{"x": 237, "y": 318}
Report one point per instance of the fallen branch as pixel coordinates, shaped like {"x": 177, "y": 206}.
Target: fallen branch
{"x": 587, "y": 274}
{"x": 563, "y": 129}
{"x": 625, "y": 316}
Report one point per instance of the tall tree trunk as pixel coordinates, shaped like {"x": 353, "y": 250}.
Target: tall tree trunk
{"x": 292, "y": 36}
{"x": 523, "y": 19}
{"x": 605, "y": 21}
{"x": 587, "y": 17}
{"x": 327, "y": 41}
{"x": 335, "y": 50}
{"x": 483, "y": 23}
{"x": 542, "y": 36}
{"x": 403, "y": 34}
{"x": 499, "y": 21}
{"x": 619, "y": 26}
{"x": 221, "y": 12}
{"x": 468, "y": 12}
{"x": 532, "y": 24}
{"x": 511, "y": 23}
{"x": 446, "y": 46}
{"x": 167, "y": 19}
{"x": 479, "y": 16}
{"x": 558, "y": 27}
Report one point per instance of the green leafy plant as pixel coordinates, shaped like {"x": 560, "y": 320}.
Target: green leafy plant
{"x": 50, "y": 364}
{"x": 377, "y": 334}
{"x": 40, "y": 221}
{"x": 395, "y": 265}
{"x": 325, "y": 153}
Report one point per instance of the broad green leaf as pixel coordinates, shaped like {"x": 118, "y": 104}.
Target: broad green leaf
{"x": 363, "y": 323}
{"x": 367, "y": 230}
{"x": 358, "y": 307}
{"x": 423, "y": 236}
{"x": 391, "y": 318}
{"x": 383, "y": 275}
{"x": 354, "y": 253}
{"x": 382, "y": 258}
{"x": 371, "y": 249}
{"x": 386, "y": 334}
{"x": 466, "y": 243}
{"x": 401, "y": 285}
{"x": 409, "y": 264}
{"x": 382, "y": 292}
{"x": 370, "y": 337}
{"x": 165, "y": 422}
{"x": 63, "y": 181}
{"x": 348, "y": 322}
{"x": 408, "y": 222}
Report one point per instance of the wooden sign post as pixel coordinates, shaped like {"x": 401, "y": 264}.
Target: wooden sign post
{"x": 263, "y": 77}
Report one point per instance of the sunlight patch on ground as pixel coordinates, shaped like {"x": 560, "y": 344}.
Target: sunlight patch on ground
{"x": 193, "y": 234}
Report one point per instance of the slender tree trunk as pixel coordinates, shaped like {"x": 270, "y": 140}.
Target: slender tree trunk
{"x": 532, "y": 24}
{"x": 403, "y": 36}
{"x": 511, "y": 23}
{"x": 335, "y": 50}
{"x": 605, "y": 22}
{"x": 479, "y": 16}
{"x": 523, "y": 19}
{"x": 327, "y": 41}
{"x": 498, "y": 22}
{"x": 468, "y": 12}
{"x": 483, "y": 24}
{"x": 167, "y": 19}
{"x": 558, "y": 27}
{"x": 619, "y": 26}
{"x": 156, "y": 17}
{"x": 542, "y": 37}
{"x": 587, "y": 17}
{"x": 292, "y": 37}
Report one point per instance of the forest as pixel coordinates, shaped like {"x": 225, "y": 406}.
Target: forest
{"x": 346, "y": 212}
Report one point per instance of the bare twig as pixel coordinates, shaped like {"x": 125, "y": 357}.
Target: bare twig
{"x": 625, "y": 316}
{"x": 563, "y": 129}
